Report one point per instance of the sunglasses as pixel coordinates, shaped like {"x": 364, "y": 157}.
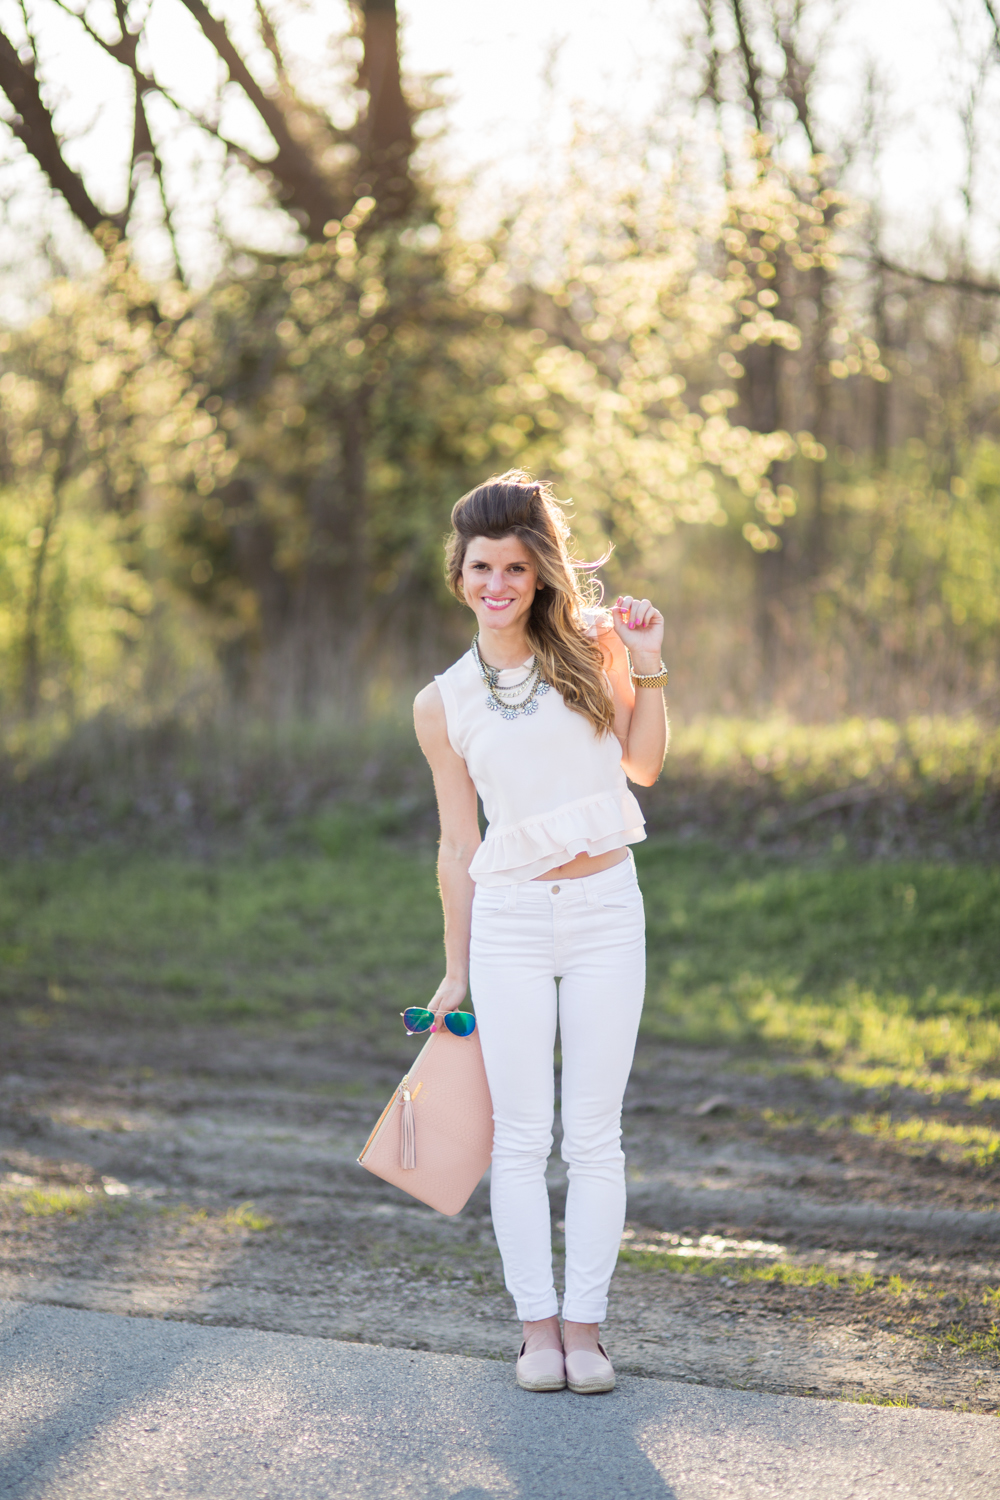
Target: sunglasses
{"x": 458, "y": 1022}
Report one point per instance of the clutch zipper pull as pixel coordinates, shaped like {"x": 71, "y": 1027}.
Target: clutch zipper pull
{"x": 407, "y": 1129}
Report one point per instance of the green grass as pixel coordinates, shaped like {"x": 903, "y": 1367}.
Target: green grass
{"x": 887, "y": 967}
{"x": 350, "y": 936}
{"x": 868, "y": 1398}
{"x": 46, "y": 1203}
{"x": 246, "y": 1216}
{"x": 976, "y": 1143}
{"x": 974, "y": 1341}
{"x": 979, "y": 1144}
{"x": 882, "y": 965}
{"x": 649, "y": 1258}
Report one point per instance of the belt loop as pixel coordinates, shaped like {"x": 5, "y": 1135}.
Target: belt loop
{"x": 511, "y": 898}
{"x": 588, "y": 887}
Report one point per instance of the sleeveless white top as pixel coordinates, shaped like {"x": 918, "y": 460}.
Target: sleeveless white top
{"x": 551, "y": 786}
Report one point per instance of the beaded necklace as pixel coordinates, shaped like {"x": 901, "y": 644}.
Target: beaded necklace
{"x": 498, "y": 698}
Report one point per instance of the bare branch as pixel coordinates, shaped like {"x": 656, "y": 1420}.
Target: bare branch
{"x": 798, "y": 79}
{"x": 299, "y": 186}
{"x": 713, "y": 62}
{"x": 269, "y": 37}
{"x": 953, "y": 283}
{"x": 994, "y": 15}
{"x": 123, "y": 50}
{"x": 751, "y": 65}
{"x": 33, "y": 125}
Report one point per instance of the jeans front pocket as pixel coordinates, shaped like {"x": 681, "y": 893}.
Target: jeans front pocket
{"x": 489, "y": 901}
{"x": 624, "y": 902}
{"x": 621, "y": 895}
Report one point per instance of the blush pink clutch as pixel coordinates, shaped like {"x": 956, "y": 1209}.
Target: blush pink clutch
{"x": 435, "y": 1136}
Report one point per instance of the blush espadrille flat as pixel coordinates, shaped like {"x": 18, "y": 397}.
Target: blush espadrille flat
{"x": 589, "y": 1374}
{"x": 544, "y": 1370}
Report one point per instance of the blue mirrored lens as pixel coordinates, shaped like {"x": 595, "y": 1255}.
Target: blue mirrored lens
{"x": 460, "y": 1023}
{"x": 415, "y": 1018}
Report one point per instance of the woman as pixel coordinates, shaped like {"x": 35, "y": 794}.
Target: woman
{"x": 544, "y": 718}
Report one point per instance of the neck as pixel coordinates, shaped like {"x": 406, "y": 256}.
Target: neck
{"x": 503, "y": 648}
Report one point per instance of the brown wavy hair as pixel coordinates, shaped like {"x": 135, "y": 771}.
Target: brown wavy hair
{"x": 512, "y": 504}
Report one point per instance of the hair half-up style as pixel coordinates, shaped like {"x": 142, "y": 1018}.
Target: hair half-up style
{"x": 513, "y": 504}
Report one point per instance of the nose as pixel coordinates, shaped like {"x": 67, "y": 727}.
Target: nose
{"x": 496, "y": 581}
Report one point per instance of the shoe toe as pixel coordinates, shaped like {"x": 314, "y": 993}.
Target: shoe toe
{"x": 589, "y": 1374}
{"x": 542, "y": 1370}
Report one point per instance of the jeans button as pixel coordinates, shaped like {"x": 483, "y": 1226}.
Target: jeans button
{"x": 555, "y": 890}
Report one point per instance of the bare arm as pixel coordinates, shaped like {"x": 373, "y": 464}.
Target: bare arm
{"x": 460, "y": 838}
{"x": 640, "y": 715}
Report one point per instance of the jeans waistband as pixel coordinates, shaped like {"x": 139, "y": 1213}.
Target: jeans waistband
{"x": 588, "y": 889}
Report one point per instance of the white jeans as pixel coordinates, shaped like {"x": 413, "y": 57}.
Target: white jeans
{"x": 590, "y": 934}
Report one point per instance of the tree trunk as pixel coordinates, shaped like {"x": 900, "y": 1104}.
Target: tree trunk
{"x": 764, "y": 400}
{"x": 387, "y": 130}
{"x": 31, "y": 678}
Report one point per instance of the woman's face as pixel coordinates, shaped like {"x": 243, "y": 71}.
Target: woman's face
{"x": 500, "y": 580}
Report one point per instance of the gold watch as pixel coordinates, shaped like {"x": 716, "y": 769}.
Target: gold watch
{"x": 651, "y": 679}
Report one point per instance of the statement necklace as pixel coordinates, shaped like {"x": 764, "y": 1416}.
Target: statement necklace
{"x": 501, "y": 699}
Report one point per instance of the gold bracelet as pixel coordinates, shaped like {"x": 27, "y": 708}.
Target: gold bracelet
{"x": 652, "y": 680}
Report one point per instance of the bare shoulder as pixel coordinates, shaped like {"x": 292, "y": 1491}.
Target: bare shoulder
{"x": 428, "y": 706}
{"x": 431, "y": 723}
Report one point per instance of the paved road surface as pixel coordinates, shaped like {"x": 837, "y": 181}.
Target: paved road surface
{"x": 97, "y": 1407}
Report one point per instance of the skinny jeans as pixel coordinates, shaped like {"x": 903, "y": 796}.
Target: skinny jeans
{"x": 589, "y": 934}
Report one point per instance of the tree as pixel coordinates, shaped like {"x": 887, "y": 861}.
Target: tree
{"x": 317, "y": 170}
{"x": 95, "y": 396}
{"x": 764, "y": 64}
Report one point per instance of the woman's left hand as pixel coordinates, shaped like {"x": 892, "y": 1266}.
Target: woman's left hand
{"x": 640, "y": 625}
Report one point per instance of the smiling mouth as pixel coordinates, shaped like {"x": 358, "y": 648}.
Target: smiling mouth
{"x": 497, "y": 603}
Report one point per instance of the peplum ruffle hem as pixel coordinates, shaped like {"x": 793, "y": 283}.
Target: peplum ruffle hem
{"x": 592, "y": 825}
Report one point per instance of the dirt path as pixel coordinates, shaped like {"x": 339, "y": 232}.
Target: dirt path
{"x": 843, "y": 1266}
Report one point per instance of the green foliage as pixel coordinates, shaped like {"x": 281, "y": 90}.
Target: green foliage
{"x": 284, "y": 450}
{"x": 95, "y": 396}
{"x": 917, "y": 556}
{"x": 920, "y": 755}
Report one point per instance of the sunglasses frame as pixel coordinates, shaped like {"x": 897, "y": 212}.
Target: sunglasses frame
{"x": 423, "y": 1030}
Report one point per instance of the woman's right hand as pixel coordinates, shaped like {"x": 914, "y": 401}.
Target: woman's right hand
{"x": 449, "y": 995}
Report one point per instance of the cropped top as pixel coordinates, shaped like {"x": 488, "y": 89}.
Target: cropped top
{"x": 551, "y": 786}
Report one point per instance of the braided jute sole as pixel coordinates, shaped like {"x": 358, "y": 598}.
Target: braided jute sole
{"x": 544, "y": 1370}
{"x": 589, "y": 1374}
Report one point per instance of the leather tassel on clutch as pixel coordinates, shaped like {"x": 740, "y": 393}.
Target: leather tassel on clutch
{"x": 407, "y": 1131}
